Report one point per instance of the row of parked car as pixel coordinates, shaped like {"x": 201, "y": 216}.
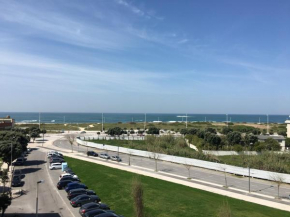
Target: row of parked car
{"x": 104, "y": 156}
{"x": 17, "y": 175}
{"x": 55, "y": 160}
{"x": 80, "y": 196}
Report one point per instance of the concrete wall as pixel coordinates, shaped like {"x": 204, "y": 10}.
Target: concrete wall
{"x": 226, "y": 153}
{"x": 189, "y": 161}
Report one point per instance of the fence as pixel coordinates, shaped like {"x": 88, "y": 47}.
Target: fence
{"x": 261, "y": 174}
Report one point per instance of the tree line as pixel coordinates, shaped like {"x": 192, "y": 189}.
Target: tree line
{"x": 12, "y": 146}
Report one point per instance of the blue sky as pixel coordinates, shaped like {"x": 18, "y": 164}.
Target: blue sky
{"x": 145, "y": 56}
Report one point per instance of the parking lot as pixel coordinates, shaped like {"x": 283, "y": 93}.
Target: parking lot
{"x": 51, "y": 201}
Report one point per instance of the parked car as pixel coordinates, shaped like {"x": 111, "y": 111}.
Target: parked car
{"x": 75, "y": 185}
{"x": 55, "y": 166}
{"x": 17, "y": 172}
{"x": 76, "y": 192}
{"x": 83, "y": 199}
{"x": 70, "y": 178}
{"x": 83, "y": 132}
{"x": 68, "y": 170}
{"x": 51, "y": 153}
{"x": 29, "y": 149}
{"x": 109, "y": 214}
{"x": 55, "y": 156}
{"x": 67, "y": 174}
{"x": 16, "y": 181}
{"x": 18, "y": 162}
{"x": 92, "y": 153}
{"x": 96, "y": 212}
{"x": 104, "y": 155}
{"x": 56, "y": 160}
{"x": 92, "y": 206}
{"x": 62, "y": 184}
{"x": 116, "y": 158}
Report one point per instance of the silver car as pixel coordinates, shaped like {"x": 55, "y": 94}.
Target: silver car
{"x": 104, "y": 155}
{"x": 116, "y": 158}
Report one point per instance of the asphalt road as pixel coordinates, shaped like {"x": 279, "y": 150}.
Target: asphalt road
{"x": 199, "y": 174}
{"x": 52, "y": 202}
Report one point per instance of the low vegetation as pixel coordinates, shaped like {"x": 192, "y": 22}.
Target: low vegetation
{"x": 160, "y": 198}
{"x": 269, "y": 161}
{"x": 165, "y": 145}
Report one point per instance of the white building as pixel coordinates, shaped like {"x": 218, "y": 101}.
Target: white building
{"x": 279, "y": 139}
{"x": 288, "y": 128}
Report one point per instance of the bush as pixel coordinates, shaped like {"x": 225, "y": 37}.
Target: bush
{"x": 238, "y": 148}
{"x": 153, "y": 130}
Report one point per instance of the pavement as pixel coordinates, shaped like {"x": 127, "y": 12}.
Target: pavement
{"x": 53, "y": 203}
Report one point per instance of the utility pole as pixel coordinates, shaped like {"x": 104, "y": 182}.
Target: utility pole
{"x": 186, "y": 121}
{"x": 39, "y": 120}
{"x": 102, "y": 122}
{"x": 63, "y": 119}
{"x": 267, "y": 124}
{"x": 145, "y": 123}
{"x": 227, "y": 121}
{"x": 249, "y": 179}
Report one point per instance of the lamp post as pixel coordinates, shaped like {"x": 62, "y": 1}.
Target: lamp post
{"x": 38, "y": 182}
{"x": 11, "y": 152}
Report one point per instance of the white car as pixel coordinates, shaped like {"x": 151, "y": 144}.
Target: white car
{"x": 67, "y": 174}
{"x": 116, "y": 158}
{"x": 55, "y": 166}
{"x": 104, "y": 155}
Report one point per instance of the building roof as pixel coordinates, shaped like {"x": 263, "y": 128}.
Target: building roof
{"x": 264, "y": 137}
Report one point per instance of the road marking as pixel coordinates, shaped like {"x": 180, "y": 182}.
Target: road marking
{"x": 58, "y": 192}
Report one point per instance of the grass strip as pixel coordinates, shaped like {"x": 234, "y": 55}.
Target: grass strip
{"x": 161, "y": 198}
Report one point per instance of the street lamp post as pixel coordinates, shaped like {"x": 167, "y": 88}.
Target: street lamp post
{"x": 249, "y": 179}
{"x": 36, "y": 211}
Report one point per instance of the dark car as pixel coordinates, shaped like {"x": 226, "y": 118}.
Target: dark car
{"x": 55, "y": 156}
{"x": 69, "y": 171}
{"x": 70, "y": 178}
{"x": 75, "y": 185}
{"x": 83, "y": 199}
{"x": 92, "y": 153}
{"x": 16, "y": 181}
{"x": 56, "y": 160}
{"x": 108, "y": 214}
{"x": 92, "y": 206}
{"x": 18, "y": 162}
{"x": 76, "y": 192}
{"x": 63, "y": 184}
{"x": 94, "y": 212}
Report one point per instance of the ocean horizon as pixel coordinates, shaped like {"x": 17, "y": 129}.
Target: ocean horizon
{"x": 79, "y": 117}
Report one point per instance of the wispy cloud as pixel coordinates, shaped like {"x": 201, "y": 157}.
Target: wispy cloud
{"x": 61, "y": 27}
{"x": 143, "y": 13}
{"x": 49, "y": 71}
{"x": 182, "y": 41}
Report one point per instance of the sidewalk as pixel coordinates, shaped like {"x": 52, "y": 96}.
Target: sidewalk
{"x": 167, "y": 177}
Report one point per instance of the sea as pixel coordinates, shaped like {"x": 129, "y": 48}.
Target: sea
{"x": 34, "y": 117}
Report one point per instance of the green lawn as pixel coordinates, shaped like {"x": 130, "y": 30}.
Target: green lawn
{"x": 161, "y": 199}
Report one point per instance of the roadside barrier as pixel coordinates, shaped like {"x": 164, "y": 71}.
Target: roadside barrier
{"x": 255, "y": 173}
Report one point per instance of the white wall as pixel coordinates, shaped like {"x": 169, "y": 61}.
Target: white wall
{"x": 194, "y": 162}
